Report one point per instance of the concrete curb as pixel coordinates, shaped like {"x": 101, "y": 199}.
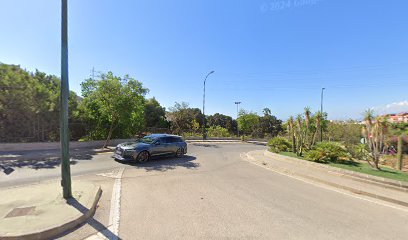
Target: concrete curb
{"x": 384, "y": 182}
{"x": 54, "y": 231}
{"x": 258, "y": 143}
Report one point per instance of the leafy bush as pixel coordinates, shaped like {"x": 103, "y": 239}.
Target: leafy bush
{"x": 279, "y": 144}
{"x": 327, "y": 152}
{"x": 359, "y": 151}
{"x": 217, "y": 131}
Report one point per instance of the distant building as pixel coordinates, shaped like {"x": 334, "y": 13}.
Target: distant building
{"x": 398, "y": 118}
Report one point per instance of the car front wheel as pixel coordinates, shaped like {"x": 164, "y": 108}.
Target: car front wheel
{"x": 143, "y": 157}
{"x": 179, "y": 152}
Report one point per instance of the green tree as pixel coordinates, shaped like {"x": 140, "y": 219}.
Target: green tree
{"x": 29, "y": 105}
{"x": 113, "y": 106}
{"x": 184, "y": 119}
{"x": 155, "y": 114}
{"x": 269, "y": 125}
{"x": 195, "y": 126}
{"x": 247, "y": 122}
{"x": 223, "y": 121}
{"x": 348, "y": 132}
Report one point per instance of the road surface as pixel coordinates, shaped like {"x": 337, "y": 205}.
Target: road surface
{"x": 212, "y": 193}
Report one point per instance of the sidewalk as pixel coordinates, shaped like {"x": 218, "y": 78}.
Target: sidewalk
{"x": 385, "y": 190}
{"x": 39, "y": 211}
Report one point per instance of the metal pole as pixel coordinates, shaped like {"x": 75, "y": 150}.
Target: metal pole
{"x": 204, "y": 137}
{"x": 321, "y": 112}
{"x": 237, "y": 103}
{"x": 64, "y": 132}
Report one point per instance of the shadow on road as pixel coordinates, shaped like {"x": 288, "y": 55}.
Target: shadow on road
{"x": 163, "y": 164}
{"x": 42, "y": 159}
{"x": 101, "y": 228}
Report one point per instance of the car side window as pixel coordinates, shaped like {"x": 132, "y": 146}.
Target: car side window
{"x": 167, "y": 140}
{"x": 159, "y": 140}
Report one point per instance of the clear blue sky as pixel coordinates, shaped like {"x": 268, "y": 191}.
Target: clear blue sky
{"x": 265, "y": 53}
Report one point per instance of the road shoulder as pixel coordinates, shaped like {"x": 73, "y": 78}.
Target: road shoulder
{"x": 333, "y": 180}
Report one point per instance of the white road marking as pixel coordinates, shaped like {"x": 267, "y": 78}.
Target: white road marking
{"x": 114, "y": 216}
{"x": 112, "y": 232}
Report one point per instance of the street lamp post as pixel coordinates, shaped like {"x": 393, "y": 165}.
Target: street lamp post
{"x": 237, "y": 103}
{"x": 65, "y": 165}
{"x": 204, "y": 137}
{"x": 321, "y": 112}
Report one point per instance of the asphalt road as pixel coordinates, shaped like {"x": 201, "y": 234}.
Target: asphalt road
{"x": 212, "y": 193}
{"x": 34, "y": 171}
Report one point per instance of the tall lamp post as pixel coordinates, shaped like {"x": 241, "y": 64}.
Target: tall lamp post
{"x": 204, "y": 137}
{"x": 321, "y": 112}
{"x": 65, "y": 167}
{"x": 237, "y": 103}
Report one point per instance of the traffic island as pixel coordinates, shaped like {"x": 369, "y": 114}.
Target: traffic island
{"x": 40, "y": 212}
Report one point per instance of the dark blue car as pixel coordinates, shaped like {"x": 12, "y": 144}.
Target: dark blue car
{"x": 149, "y": 146}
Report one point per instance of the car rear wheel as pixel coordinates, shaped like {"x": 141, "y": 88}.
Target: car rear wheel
{"x": 179, "y": 152}
{"x": 143, "y": 157}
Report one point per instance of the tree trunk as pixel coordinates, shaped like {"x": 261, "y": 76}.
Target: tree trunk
{"x": 293, "y": 143}
{"x": 313, "y": 139}
{"x": 399, "y": 153}
{"x": 377, "y": 160}
{"x": 109, "y": 136}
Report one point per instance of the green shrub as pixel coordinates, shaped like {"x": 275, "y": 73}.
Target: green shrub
{"x": 279, "y": 144}
{"x": 217, "y": 131}
{"x": 359, "y": 151}
{"x": 327, "y": 152}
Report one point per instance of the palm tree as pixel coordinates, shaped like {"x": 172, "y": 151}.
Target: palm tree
{"x": 291, "y": 131}
{"x": 299, "y": 134}
{"x": 307, "y": 117}
{"x": 318, "y": 124}
{"x": 374, "y": 131}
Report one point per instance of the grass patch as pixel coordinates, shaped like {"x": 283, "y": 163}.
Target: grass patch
{"x": 367, "y": 169}
{"x": 361, "y": 167}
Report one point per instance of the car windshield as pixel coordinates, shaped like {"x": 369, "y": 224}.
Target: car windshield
{"x": 148, "y": 140}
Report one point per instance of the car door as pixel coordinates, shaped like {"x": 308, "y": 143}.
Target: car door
{"x": 158, "y": 147}
{"x": 173, "y": 145}
{"x": 168, "y": 145}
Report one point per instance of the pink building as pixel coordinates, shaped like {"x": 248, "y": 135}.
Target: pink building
{"x": 398, "y": 118}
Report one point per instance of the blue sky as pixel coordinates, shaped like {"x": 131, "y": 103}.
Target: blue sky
{"x": 265, "y": 53}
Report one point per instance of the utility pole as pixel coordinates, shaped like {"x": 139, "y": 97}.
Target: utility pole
{"x": 237, "y": 103}
{"x": 204, "y": 136}
{"x": 64, "y": 131}
{"x": 321, "y": 112}
{"x": 93, "y": 73}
